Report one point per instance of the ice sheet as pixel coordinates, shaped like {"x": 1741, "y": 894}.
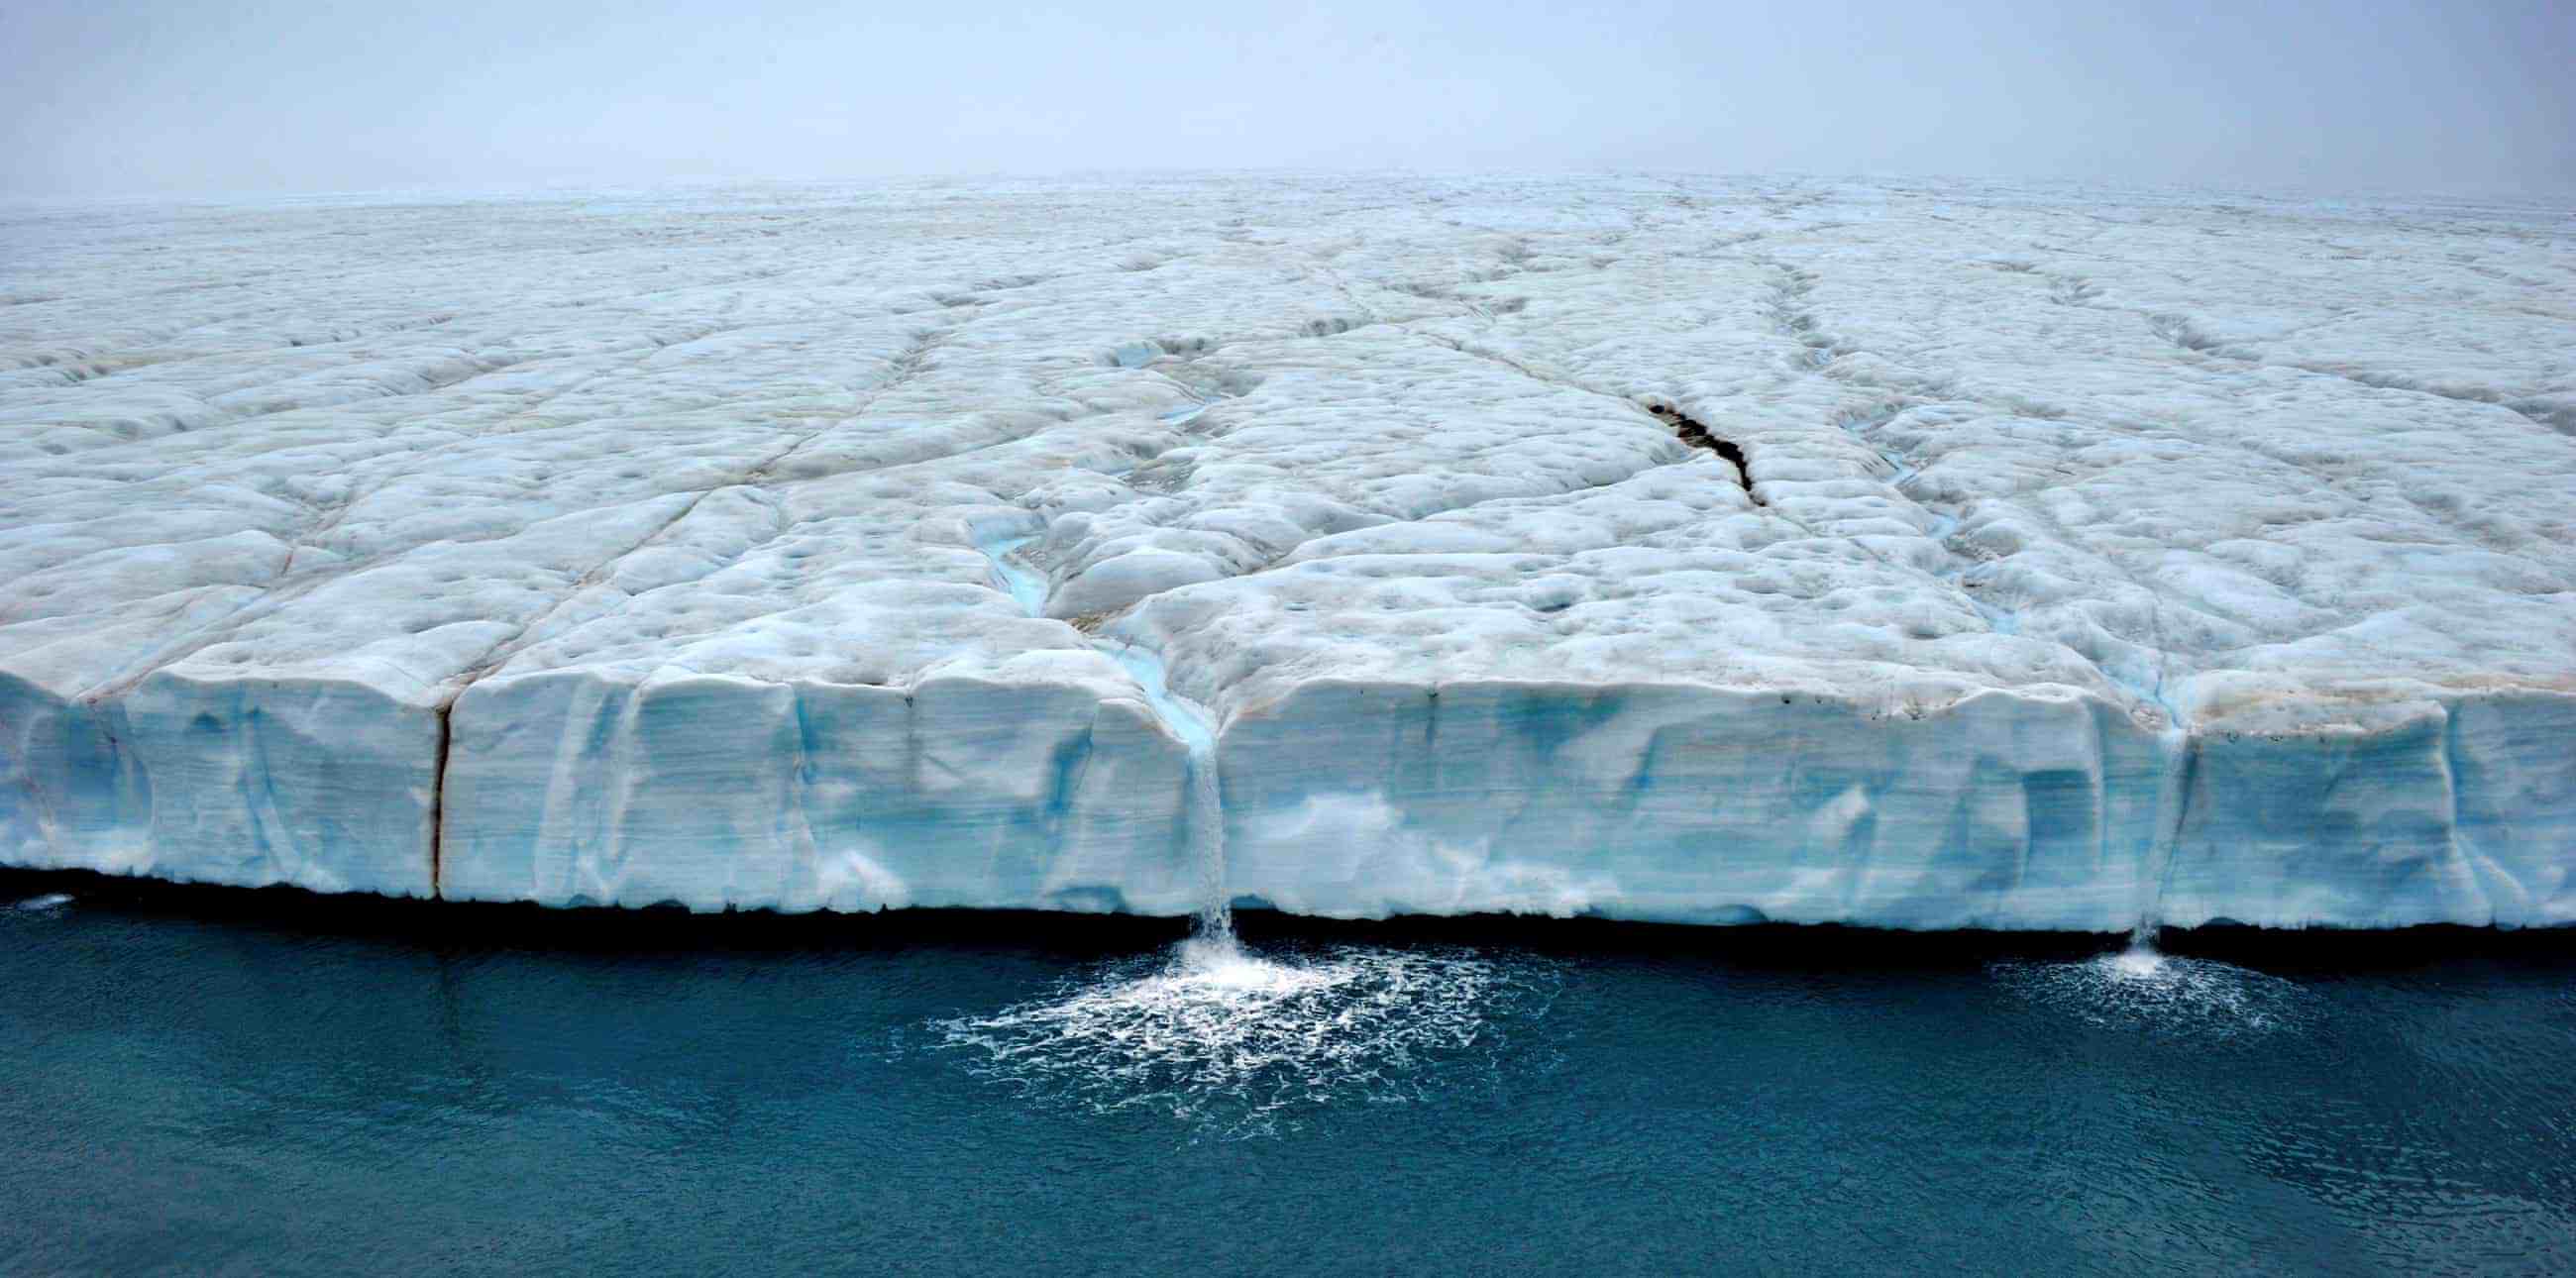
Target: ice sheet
{"x": 2094, "y": 554}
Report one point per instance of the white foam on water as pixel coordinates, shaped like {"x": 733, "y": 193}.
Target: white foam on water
{"x": 2141, "y": 987}
{"x": 49, "y": 901}
{"x": 1235, "y": 1043}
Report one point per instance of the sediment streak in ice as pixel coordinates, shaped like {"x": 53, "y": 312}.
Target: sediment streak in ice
{"x": 2091, "y": 556}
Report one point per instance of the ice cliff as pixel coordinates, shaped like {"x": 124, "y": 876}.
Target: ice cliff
{"x": 1927, "y": 556}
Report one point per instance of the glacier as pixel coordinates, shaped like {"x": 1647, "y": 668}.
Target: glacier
{"x": 1909, "y": 554}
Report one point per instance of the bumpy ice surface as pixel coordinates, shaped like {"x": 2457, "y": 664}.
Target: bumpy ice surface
{"x": 2093, "y": 555}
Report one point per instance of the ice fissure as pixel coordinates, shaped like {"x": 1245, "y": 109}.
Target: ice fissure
{"x": 1694, "y": 433}
{"x": 438, "y": 799}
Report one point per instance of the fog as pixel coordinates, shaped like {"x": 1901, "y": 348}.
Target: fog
{"x": 109, "y": 97}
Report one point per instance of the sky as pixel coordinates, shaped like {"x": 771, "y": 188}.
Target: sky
{"x": 208, "y": 97}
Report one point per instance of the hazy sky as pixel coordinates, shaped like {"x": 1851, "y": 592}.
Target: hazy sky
{"x": 204, "y": 96}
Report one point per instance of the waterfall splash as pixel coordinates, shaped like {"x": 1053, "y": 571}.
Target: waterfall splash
{"x": 2141, "y": 987}
{"x": 1238, "y": 1046}
{"x": 2141, "y": 960}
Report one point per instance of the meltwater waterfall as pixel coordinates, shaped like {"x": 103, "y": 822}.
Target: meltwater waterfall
{"x": 2141, "y": 959}
{"x": 1211, "y": 944}
{"x": 1233, "y": 1042}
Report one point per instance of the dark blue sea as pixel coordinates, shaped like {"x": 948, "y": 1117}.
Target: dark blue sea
{"x": 267, "y": 1083}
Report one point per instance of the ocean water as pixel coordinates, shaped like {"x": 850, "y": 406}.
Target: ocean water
{"x": 269, "y": 1083}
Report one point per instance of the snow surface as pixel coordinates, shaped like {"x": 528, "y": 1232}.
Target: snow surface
{"x": 2102, "y": 554}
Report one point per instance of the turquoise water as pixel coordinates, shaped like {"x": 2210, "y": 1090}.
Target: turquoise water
{"x": 258, "y": 1083}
